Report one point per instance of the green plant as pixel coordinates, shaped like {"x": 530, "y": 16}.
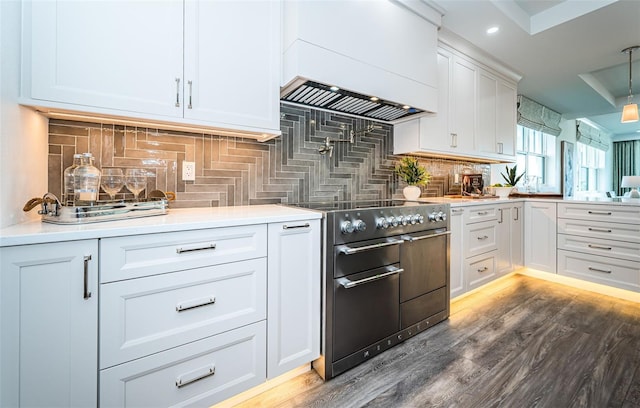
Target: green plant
{"x": 511, "y": 178}
{"x": 410, "y": 170}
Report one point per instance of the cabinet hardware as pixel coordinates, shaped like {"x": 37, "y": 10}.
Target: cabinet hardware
{"x": 195, "y": 375}
{"x": 86, "y": 294}
{"x": 177, "y": 92}
{"x": 183, "y": 250}
{"x": 517, "y": 213}
{"x": 599, "y": 230}
{"x": 305, "y": 225}
{"x": 600, "y": 212}
{"x": 437, "y": 234}
{"x": 350, "y": 251}
{"x": 598, "y": 270}
{"x": 348, "y": 283}
{"x": 454, "y": 140}
{"x": 482, "y": 237}
{"x": 190, "y": 83}
{"x": 483, "y": 269}
{"x": 483, "y": 212}
{"x": 500, "y": 222}
{"x": 456, "y": 211}
{"x": 500, "y": 148}
{"x": 194, "y": 303}
{"x": 599, "y": 247}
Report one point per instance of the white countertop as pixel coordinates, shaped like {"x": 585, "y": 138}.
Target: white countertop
{"x": 464, "y": 202}
{"x": 181, "y": 219}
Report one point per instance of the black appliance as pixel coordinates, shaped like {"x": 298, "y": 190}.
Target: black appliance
{"x": 386, "y": 277}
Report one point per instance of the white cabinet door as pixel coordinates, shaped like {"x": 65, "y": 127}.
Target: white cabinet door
{"x": 120, "y": 55}
{"x": 293, "y": 308}
{"x": 456, "y": 250}
{"x": 463, "y": 104}
{"x": 504, "y": 262}
{"x": 434, "y": 129}
{"x": 232, "y": 63}
{"x": 540, "y": 235}
{"x": 517, "y": 235}
{"x": 49, "y": 347}
{"x": 486, "y": 131}
{"x": 506, "y": 119}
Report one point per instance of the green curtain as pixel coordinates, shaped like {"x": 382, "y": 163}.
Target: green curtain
{"x": 626, "y": 162}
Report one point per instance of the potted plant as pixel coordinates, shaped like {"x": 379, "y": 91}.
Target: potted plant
{"x": 503, "y": 190}
{"x": 414, "y": 174}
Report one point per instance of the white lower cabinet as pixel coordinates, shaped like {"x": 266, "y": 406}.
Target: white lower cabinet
{"x": 509, "y": 238}
{"x": 197, "y": 374}
{"x": 49, "y": 325}
{"x": 540, "y": 235}
{"x": 294, "y": 295}
{"x": 480, "y": 269}
{"x": 619, "y": 273}
{"x": 457, "y": 280}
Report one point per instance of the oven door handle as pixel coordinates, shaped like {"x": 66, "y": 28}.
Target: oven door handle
{"x": 348, "y": 284}
{"x": 350, "y": 251}
{"x": 437, "y": 234}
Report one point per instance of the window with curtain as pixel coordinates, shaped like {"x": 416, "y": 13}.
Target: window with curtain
{"x": 591, "y": 162}
{"x": 536, "y": 151}
{"x": 626, "y": 162}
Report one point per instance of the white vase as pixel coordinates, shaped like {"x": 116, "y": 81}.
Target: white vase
{"x": 411, "y": 192}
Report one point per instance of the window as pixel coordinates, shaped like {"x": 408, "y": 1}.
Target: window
{"x": 535, "y": 153}
{"x": 591, "y": 164}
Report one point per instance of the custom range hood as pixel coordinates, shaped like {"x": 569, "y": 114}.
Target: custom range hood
{"x": 378, "y": 60}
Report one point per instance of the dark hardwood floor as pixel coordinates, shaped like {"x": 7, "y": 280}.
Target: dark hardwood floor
{"x": 520, "y": 342}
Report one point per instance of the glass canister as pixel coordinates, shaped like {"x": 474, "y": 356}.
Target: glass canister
{"x": 68, "y": 196}
{"x": 86, "y": 181}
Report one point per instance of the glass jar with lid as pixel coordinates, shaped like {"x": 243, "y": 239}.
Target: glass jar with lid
{"x": 86, "y": 181}
{"x": 68, "y": 193}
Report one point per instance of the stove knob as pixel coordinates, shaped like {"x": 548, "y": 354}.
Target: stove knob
{"x": 346, "y": 227}
{"x": 405, "y": 220}
{"x": 413, "y": 219}
{"x": 443, "y": 216}
{"x": 359, "y": 225}
{"x": 382, "y": 223}
{"x": 432, "y": 217}
{"x": 420, "y": 218}
{"x": 393, "y": 221}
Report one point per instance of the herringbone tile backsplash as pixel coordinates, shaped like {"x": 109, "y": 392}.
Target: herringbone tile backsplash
{"x": 237, "y": 171}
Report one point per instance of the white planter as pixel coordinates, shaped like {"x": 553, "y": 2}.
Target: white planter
{"x": 411, "y": 192}
{"x": 502, "y": 192}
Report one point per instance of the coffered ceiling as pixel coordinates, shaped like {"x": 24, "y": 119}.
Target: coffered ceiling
{"x": 568, "y": 51}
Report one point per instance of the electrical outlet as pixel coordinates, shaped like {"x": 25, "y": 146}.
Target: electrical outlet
{"x": 188, "y": 171}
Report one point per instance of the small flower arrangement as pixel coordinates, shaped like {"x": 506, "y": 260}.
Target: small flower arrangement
{"x": 411, "y": 172}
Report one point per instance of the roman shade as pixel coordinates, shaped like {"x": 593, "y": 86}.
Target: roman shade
{"x": 589, "y": 135}
{"x": 535, "y": 116}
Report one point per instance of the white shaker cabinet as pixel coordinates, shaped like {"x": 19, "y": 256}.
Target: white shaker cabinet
{"x": 496, "y": 124}
{"x": 510, "y": 234}
{"x": 212, "y": 64}
{"x": 540, "y": 235}
{"x": 456, "y": 252}
{"x": 49, "y": 315}
{"x": 294, "y": 280}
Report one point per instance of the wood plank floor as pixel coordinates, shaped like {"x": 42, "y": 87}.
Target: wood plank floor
{"x": 520, "y": 342}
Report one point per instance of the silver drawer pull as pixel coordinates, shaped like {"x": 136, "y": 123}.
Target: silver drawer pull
{"x": 600, "y": 247}
{"x": 177, "y": 92}
{"x": 483, "y": 212}
{"x": 350, "y": 251}
{"x": 598, "y": 270}
{"x": 86, "y": 294}
{"x": 599, "y": 230}
{"x": 437, "y": 234}
{"x": 195, "y": 375}
{"x": 182, "y": 250}
{"x": 192, "y": 304}
{"x": 348, "y": 284}
{"x": 600, "y": 212}
{"x": 456, "y": 211}
{"x": 305, "y": 225}
{"x": 483, "y": 269}
{"x": 483, "y": 237}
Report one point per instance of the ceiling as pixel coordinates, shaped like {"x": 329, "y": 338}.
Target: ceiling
{"x": 568, "y": 51}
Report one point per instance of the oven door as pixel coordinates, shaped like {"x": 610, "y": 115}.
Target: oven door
{"x": 366, "y": 309}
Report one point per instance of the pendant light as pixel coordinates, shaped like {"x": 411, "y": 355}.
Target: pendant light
{"x": 630, "y": 110}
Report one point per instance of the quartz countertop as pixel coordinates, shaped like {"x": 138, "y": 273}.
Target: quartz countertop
{"x": 181, "y": 219}
{"x": 464, "y": 202}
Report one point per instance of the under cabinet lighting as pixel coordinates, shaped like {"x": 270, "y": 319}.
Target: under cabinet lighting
{"x": 374, "y": 98}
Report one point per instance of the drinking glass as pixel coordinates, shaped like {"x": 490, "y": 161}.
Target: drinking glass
{"x": 136, "y": 181}
{"x": 112, "y": 181}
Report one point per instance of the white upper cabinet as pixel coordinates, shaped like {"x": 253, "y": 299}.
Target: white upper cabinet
{"x": 211, "y": 64}
{"x": 120, "y": 55}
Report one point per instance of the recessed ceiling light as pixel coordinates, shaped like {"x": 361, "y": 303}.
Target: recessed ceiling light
{"x": 334, "y": 88}
{"x": 405, "y": 107}
{"x": 374, "y": 98}
{"x": 493, "y": 30}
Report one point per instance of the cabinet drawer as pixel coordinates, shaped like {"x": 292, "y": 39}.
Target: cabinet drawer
{"x": 143, "y": 255}
{"x": 481, "y": 269}
{"x": 607, "y": 271}
{"x": 599, "y": 229}
{"x": 602, "y": 247}
{"x": 480, "y": 213}
{"x": 481, "y": 238}
{"x": 143, "y": 316}
{"x": 201, "y": 373}
{"x": 607, "y": 213}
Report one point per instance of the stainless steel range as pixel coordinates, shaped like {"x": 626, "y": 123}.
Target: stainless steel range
{"x": 386, "y": 277}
